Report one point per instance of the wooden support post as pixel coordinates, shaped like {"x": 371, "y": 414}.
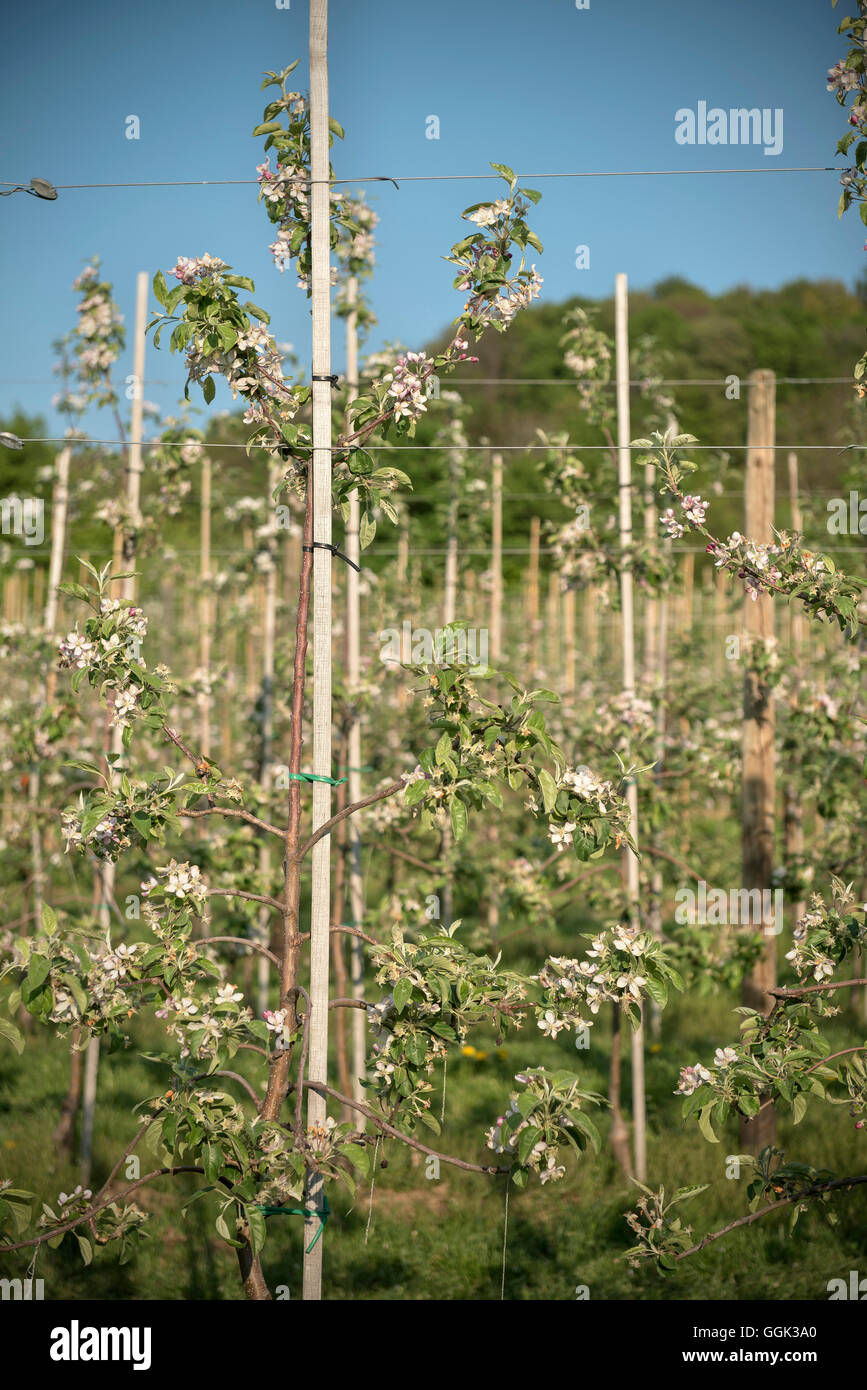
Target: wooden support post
{"x": 59, "y": 509}
{"x": 353, "y": 740}
{"x": 59, "y": 504}
{"x": 266, "y": 774}
{"x": 568, "y": 610}
{"x": 688, "y": 578}
{"x": 758, "y": 728}
{"x": 127, "y": 537}
{"x": 533, "y": 596}
{"x": 228, "y": 702}
{"x": 320, "y": 908}
{"x": 624, "y": 478}
{"x": 590, "y": 614}
{"x": 496, "y": 632}
{"x": 651, "y": 604}
{"x": 134, "y": 459}
{"x": 206, "y": 609}
{"x": 552, "y": 626}
{"x": 793, "y": 822}
{"x": 451, "y": 574}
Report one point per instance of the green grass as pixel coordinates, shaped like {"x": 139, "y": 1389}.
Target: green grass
{"x": 442, "y": 1239}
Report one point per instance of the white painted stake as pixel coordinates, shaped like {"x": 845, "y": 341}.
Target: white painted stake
{"x": 59, "y": 504}
{"x": 317, "y": 1064}
{"x": 450, "y": 592}
{"x": 269, "y": 631}
{"x": 496, "y": 634}
{"x": 624, "y": 478}
{"x": 106, "y": 872}
{"x": 353, "y": 675}
{"x": 206, "y": 609}
{"x": 134, "y": 467}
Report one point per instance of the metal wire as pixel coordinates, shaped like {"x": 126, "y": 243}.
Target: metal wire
{"x": 459, "y": 178}
{"x": 457, "y": 448}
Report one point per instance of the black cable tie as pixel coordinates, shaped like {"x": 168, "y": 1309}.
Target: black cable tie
{"x": 333, "y": 379}
{"x": 323, "y": 545}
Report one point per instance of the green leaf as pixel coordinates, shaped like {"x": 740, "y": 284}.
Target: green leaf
{"x": 548, "y": 788}
{"x": 799, "y": 1108}
{"x": 705, "y": 1126}
{"x": 160, "y": 288}
{"x": 74, "y": 590}
{"x": 11, "y": 1034}
{"x": 527, "y": 1103}
{"x": 257, "y": 312}
{"x": 528, "y": 1138}
{"x": 683, "y": 1194}
{"x": 209, "y": 390}
{"x": 402, "y": 994}
{"x": 587, "y": 1127}
{"x": 366, "y": 531}
{"x": 37, "y": 972}
{"x": 443, "y": 748}
{"x": 258, "y": 1228}
{"x": 358, "y": 1156}
{"x": 657, "y": 991}
{"x": 459, "y": 818}
{"x": 223, "y": 1230}
{"x": 415, "y": 792}
{"x": 416, "y": 1049}
{"x": 49, "y": 918}
{"x": 507, "y": 173}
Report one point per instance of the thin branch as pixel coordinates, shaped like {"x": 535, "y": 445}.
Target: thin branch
{"x": 678, "y": 863}
{"x": 238, "y": 814}
{"x": 302, "y": 1062}
{"x": 99, "y": 1206}
{"x": 233, "y": 1076}
{"x": 576, "y": 882}
{"x": 329, "y": 825}
{"x": 773, "y": 1206}
{"x": 404, "y": 1138}
{"x": 812, "y": 989}
{"x": 410, "y": 858}
{"x": 349, "y": 931}
{"x": 833, "y": 1056}
{"x": 241, "y": 893}
{"x": 243, "y": 941}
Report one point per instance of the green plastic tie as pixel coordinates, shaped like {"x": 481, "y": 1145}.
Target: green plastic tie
{"x": 302, "y": 1211}
{"x": 313, "y": 777}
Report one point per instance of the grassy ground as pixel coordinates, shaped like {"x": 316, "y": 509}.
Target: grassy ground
{"x": 443, "y": 1239}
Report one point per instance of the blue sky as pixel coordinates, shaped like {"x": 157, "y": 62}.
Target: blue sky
{"x": 544, "y": 87}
